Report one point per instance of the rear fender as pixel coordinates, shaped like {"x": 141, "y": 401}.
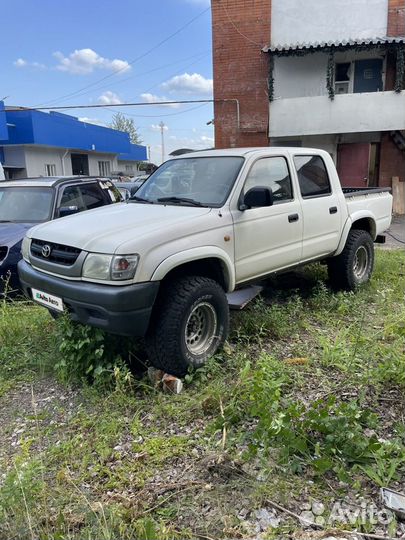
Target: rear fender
{"x": 350, "y": 223}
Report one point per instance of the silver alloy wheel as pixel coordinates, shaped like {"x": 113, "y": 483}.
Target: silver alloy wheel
{"x": 201, "y": 328}
{"x": 360, "y": 263}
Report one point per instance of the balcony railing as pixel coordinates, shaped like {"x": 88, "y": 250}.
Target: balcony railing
{"x": 347, "y": 113}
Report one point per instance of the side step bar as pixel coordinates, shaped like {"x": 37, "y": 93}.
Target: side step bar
{"x": 241, "y": 297}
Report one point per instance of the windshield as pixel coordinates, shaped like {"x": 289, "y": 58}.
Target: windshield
{"x": 205, "y": 181}
{"x": 25, "y": 204}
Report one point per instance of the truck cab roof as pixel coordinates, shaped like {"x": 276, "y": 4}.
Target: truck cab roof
{"x": 245, "y": 152}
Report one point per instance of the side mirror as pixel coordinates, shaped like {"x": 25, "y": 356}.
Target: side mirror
{"x": 68, "y": 210}
{"x": 257, "y": 197}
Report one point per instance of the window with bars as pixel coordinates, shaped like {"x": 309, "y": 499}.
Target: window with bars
{"x": 50, "y": 169}
{"x": 104, "y": 168}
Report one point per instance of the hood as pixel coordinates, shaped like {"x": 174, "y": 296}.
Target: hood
{"x": 13, "y": 233}
{"x": 105, "y": 229}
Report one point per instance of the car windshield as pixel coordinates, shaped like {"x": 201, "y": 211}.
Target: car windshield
{"x": 25, "y": 204}
{"x": 202, "y": 181}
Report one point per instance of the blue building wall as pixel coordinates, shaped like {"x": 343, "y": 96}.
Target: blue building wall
{"x": 3, "y": 123}
{"x": 65, "y": 131}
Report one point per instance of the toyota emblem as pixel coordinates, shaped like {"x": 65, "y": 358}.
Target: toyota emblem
{"x": 46, "y": 251}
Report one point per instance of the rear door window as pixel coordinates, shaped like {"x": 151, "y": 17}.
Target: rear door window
{"x": 72, "y": 197}
{"x": 312, "y": 176}
{"x": 92, "y": 195}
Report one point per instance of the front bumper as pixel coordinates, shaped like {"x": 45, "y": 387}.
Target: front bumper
{"x": 123, "y": 310}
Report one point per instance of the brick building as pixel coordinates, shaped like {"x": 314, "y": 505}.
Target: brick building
{"x": 323, "y": 73}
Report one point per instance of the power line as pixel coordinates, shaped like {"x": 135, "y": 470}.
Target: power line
{"x": 188, "y": 23}
{"x": 157, "y": 115}
{"x": 135, "y": 104}
{"x": 197, "y": 57}
{"x": 98, "y": 106}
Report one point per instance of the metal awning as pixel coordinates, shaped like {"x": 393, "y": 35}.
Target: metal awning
{"x": 5, "y": 166}
{"x": 339, "y": 44}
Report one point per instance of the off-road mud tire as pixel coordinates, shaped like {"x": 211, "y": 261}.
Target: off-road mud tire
{"x": 354, "y": 266}
{"x": 190, "y": 322}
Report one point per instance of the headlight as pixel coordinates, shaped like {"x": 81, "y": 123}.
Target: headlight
{"x": 25, "y": 248}
{"x": 109, "y": 267}
{"x": 97, "y": 266}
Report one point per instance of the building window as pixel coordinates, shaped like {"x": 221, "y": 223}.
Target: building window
{"x": 129, "y": 168}
{"x": 342, "y": 78}
{"x": 104, "y": 168}
{"x": 50, "y": 169}
{"x": 359, "y": 76}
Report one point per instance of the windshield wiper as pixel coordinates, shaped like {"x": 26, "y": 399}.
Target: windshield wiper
{"x": 5, "y": 221}
{"x": 180, "y": 200}
{"x": 139, "y": 199}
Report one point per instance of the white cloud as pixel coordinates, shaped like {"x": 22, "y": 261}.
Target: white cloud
{"x": 156, "y": 127}
{"x": 207, "y": 140}
{"x": 152, "y": 98}
{"x": 174, "y": 142}
{"x": 21, "y": 63}
{"x": 95, "y": 121}
{"x": 109, "y": 98}
{"x": 85, "y": 61}
{"x": 189, "y": 84}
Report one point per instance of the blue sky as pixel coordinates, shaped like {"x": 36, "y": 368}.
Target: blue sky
{"x": 56, "y": 52}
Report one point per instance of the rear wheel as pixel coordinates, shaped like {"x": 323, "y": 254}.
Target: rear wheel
{"x": 354, "y": 265}
{"x": 190, "y": 323}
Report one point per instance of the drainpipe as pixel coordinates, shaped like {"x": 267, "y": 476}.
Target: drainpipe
{"x": 236, "y": 101}
{"x": 63, "y": 162}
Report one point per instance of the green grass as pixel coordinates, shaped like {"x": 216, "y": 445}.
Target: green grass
{"x": 305, "y": 398}
{"x": 27, "y": 342}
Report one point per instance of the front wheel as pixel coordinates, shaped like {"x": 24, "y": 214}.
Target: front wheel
{"x": 354, "y": 265}
{"x": 190, "y": 323}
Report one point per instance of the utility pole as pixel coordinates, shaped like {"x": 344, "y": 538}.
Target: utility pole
{"x": 162, "y": 131}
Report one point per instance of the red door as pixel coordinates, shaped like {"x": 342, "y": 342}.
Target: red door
{"x": 353, "y": 164}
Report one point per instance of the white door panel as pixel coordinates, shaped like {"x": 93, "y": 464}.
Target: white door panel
{"x": 265, "y": 239}
{"x": 320, "y": 207}
{"x": 321, "y": 228}
{"x": 268, "y": 238}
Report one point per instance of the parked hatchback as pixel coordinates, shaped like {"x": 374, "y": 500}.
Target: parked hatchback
{"x": 27, "y": 202}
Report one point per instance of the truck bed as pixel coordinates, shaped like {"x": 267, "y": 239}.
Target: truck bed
{"x": 357, "y": 191}
{"x": 376, "y": 202}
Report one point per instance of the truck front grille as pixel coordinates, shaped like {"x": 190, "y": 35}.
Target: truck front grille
{"x": 56, "y": 253}
{"x": 3, "y": 253}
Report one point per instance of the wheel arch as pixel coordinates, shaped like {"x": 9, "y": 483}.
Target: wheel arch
{"x": 364, "y": 221}
{"x": 207, "y": 262}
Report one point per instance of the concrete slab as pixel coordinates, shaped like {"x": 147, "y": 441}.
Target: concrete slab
{"x": 395, "y": 234}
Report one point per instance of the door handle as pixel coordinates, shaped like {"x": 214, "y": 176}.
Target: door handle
{"x": 333, "y": 210}
{"x": 293, "y": 217}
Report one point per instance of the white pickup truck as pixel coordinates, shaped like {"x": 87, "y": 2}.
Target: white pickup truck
{"x": 160, "y": 264}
